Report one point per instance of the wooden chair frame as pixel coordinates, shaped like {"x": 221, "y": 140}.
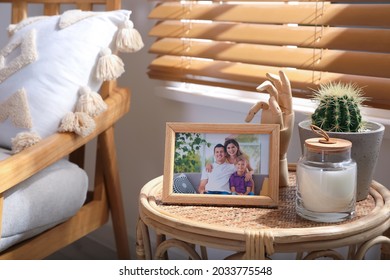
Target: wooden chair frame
{"x": 106, "y": 195}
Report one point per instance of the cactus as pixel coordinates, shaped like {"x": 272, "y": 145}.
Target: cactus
{"x": 339, "y": 107}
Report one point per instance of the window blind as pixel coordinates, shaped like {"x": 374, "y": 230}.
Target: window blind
{"x": 234, "y": 43}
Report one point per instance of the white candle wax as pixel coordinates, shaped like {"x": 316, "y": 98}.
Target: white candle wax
{"x": 327, "y": 191}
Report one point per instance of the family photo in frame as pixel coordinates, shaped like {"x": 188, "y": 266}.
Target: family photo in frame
{"x": 221, "y": 164}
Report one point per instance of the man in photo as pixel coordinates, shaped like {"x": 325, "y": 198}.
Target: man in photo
{"x": 217, "y": 181}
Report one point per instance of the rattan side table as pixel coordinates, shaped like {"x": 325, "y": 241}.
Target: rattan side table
{"x": 257, "y": 233}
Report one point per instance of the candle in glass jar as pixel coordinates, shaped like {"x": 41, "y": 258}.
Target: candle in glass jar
{"x": 326, "y": 179}
{"x": 327, "y": 191}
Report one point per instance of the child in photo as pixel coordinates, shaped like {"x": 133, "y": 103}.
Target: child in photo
{"x": 238, "y": 185}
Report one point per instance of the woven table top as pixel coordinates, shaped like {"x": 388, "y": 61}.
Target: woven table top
{"x": 255, "y": 218}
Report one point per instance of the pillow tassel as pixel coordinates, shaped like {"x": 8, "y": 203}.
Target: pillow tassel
{"x": 110, "y": 66}
{"x": 90, "y": 102}
{"x": 11, "y": 29}
{"x": 85, "y": 124}
{"x": 24, "y": 140}
{"x": 80, "y": 123}
{"x": 128, "y": 39}
{"x": 68, "y": 123}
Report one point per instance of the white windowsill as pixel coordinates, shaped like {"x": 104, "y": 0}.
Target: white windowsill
{"x": 241, "y": 101}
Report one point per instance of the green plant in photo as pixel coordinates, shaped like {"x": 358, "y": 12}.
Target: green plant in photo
{"x": 338, "y": 107}
{"x": 187, "y": 148}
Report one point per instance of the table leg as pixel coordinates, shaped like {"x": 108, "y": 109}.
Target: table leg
{"x": 299, "y": 256}
{"x": 143, "y": 248}
{"x": 203, "y": 252}
{"x": 165, "y": 245}
{"x": 368, "y": 244}
{"x": 323, "y": 254}
{"x": 351, "y": 252}
{"x": 385, "y": 249}
{"x": 160, "y": 238}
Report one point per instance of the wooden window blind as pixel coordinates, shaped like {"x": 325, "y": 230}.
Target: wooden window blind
{"x": 234, "y": 43}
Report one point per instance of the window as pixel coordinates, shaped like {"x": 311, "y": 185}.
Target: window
{"x": 234, "y": 43}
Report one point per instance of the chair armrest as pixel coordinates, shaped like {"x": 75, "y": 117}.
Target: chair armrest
{"x": 26, "y": 163}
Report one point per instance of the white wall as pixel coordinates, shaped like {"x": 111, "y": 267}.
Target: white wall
{"x": 141, "y": 133}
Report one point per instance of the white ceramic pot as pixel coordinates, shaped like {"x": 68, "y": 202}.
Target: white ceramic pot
{"x": 365, "y": 151}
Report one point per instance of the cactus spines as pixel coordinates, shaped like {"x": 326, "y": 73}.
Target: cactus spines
{"x": 338, "y": 107}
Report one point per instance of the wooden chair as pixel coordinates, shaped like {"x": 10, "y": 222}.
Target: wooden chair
{"x": 106, "y": 196}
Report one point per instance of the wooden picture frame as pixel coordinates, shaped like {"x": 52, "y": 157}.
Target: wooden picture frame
{"x": 189, "y": 148}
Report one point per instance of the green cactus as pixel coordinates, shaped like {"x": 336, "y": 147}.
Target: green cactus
{"x": 339, "y": 107}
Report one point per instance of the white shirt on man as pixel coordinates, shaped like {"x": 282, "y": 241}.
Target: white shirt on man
{"x": 218, "y": 178}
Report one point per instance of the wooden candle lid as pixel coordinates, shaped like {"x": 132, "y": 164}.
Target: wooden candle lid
{"x": 337, "y": 145}
{"x": 326, "y": 143}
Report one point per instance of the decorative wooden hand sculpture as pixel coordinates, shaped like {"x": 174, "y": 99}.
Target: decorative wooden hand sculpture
{"x": 278, "y": 110}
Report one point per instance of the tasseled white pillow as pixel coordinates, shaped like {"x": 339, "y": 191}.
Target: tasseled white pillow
{"x": 52, "y": 68}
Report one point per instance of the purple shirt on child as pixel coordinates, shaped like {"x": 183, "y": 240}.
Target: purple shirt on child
{"x": 239, "y": 182}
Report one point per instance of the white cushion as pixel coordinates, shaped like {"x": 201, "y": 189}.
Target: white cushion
{"x": 42, "y": 201}
{"x": 45, "y": 63}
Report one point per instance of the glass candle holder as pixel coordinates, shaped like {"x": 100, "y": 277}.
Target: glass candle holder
{"x": 326, "y": 180}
